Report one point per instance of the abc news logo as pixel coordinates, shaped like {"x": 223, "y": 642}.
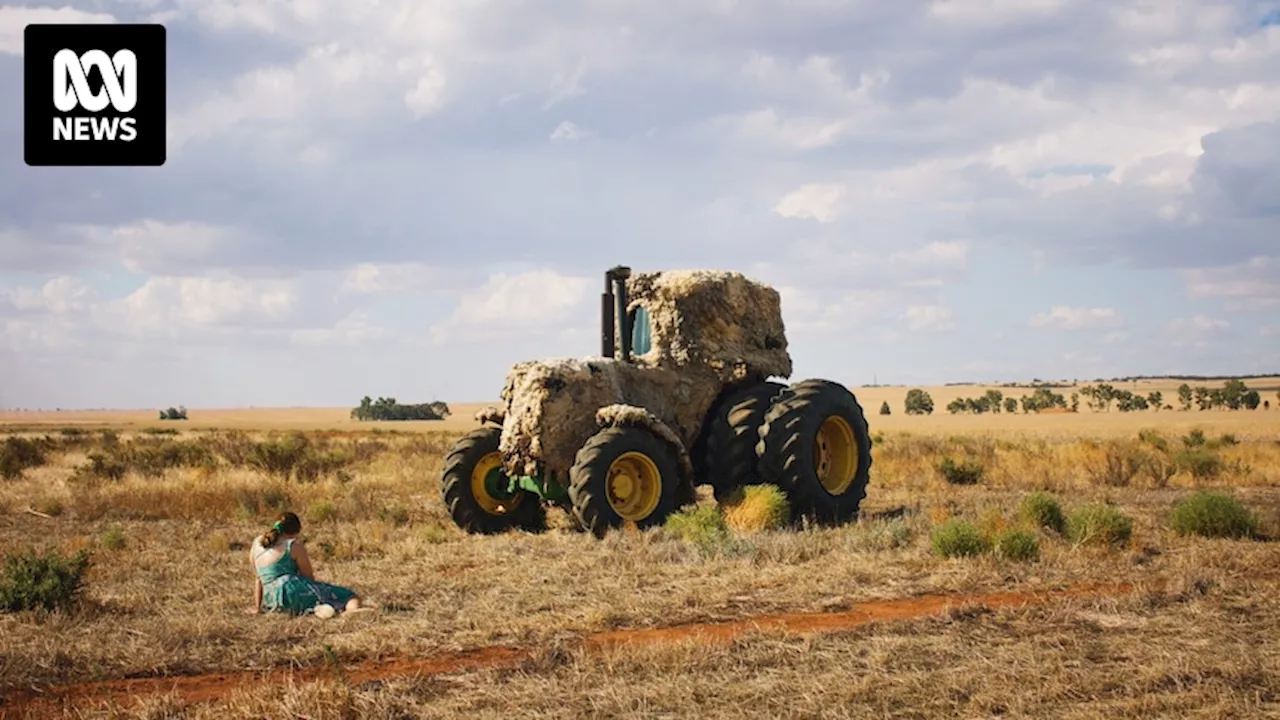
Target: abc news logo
{"x": 107, "y": 105}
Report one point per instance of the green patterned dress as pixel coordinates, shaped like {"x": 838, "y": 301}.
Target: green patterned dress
{"x": 285, "y": 590}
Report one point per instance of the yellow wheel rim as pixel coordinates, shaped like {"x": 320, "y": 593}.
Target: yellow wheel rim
{"x": 480, "y": 491}
{"x": 633, "y": 486}
{"x": 835, "y": 455}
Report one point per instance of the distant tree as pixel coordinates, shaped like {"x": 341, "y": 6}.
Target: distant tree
{"x": 1232, "y": 394}
{"x": 884, "y": 408}
{"x": 389, "y": 409}
{"x": 178, "y": 413}
{"x": 1156, "y": 399}
{"x": 1184, "y": 396}
{"x": 1075, "y": 402}
{"x": 1204, "y": 398}
{"x": 919, "y": 402}
{"x": 1252, "y": 399}
{"x": 994, "y": 400}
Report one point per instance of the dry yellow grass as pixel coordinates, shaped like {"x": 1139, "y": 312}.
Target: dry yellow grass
{"x": 168, "y": 601}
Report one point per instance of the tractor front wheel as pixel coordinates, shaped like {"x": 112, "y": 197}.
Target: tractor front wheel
{"x": 814, "y": 443}
{"x": 475, "y": 488}
{"x": 624, "y": 474}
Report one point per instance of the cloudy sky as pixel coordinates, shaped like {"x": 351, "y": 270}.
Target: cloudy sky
{"x": 403, "y": 197}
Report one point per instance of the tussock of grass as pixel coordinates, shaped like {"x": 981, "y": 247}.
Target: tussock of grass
{"x": 1018, "y": 545}
{"x": 957, "y": 538}
{"x": 757, "y": 507}
{"x": 1213, "y": 515}
{"x": 1099, "y": 524}
{"x": 966, "y": 472}
{"x": 1042, "y": 510}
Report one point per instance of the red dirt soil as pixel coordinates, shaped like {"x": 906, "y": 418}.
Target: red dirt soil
{"x": 51, "y": 701}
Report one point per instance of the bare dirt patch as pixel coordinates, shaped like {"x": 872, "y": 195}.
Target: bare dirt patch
{"x": 203, "y": 688}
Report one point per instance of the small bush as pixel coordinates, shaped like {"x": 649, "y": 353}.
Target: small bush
{"x": 1099, "y": 524}
{"x": 757, "y": 507}
{"x": 1194, "y": 439}
{"x": 968, "y": 472}
{"x": 1018, "y": 545}
{"x": 1213, "y": 515}
{"x": 17, "y": 454}
{"x": 1154, "y": 439}
{"x": 1227, "y": 440}
{"x": 1200, "y": 463}
{"x": 1042, "y": 510}
{"x": 704, "y": 526}
{"x": 320, "y": 511}
{"x": 957, "y": 538}
{"x": 31, "y": 581}
{"x": 113, "y": 538}
{"x": 884, "y": 408}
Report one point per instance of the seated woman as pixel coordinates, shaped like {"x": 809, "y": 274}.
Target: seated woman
{"x": 285, "y": 581}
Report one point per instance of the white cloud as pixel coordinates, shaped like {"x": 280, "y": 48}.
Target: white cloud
{"x": 354, "y": 329}
{"x": 526, "y": 304}
{"x": 14, "y": 20}
{"x": 170, "y": 306}
{"x": 1254, "y": 285}
{"x": 377, "y": 279}
{"x": 568, "y": 131}
{"x": 813, "y": 201}
{"x": 929, "y": 317}
{"x": 1063, "y": 317}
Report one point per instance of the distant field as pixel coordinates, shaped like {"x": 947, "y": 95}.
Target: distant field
{"x": 1085, "y": 422}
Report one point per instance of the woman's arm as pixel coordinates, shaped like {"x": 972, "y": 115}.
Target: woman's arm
{"x": 257, "y": 597}
{"x": 304, "y": 562}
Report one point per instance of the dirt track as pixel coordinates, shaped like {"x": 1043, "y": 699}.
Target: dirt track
{"x": 202, "y": 688}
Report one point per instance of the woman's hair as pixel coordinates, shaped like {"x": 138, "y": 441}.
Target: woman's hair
{"x": 287, "y": 524}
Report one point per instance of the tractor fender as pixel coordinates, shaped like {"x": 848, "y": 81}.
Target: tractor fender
{"x": 491, "y": 414}
{"x": 621, "y": 415}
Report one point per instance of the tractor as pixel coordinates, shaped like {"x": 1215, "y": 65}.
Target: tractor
{"x": 683, "y": 395}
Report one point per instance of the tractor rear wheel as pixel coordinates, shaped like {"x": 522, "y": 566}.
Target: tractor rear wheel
{"x": 814, "y": 443}
{"x": 733, "y": 432}
{"x": 475, "y": 488}
{"x": 624, "y": 474}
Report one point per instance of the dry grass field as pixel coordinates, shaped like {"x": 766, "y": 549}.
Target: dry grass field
{"x": 167, "y": 519}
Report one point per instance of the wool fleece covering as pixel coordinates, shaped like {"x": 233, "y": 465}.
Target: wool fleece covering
{"x": 709, "y": 329}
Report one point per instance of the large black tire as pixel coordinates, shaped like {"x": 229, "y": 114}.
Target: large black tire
{"x": 733, "y": 431}
{"x": 467, "y": 508}
{"x": 649, "y": 465}
{"x": 791, "y": 456}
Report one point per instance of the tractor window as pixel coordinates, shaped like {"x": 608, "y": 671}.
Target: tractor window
{"x": 641, "y": 341}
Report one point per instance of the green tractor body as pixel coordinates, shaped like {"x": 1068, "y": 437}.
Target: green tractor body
{"x": 683, "y": 394}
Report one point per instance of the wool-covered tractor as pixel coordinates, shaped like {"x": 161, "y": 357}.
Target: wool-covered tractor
{"x": 682, "y": 395}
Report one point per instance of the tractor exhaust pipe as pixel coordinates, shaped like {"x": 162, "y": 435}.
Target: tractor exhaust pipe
{"x": 613, "y": 313}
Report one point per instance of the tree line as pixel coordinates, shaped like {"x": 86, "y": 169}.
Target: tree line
{"x": 1103, "y": 397}
{"x": 388, "y": 409}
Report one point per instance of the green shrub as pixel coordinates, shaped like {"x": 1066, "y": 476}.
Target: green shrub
{"x": 1213, "y": 515}
{"x": 1018, "y": 545}
{"x": 113, "y": 538}
{"x": 1198, "y": 462}
{"x": 1042, "y": 510}
{"x": 1099, "y": 524}
{"x": 957, "y": 538}
{"x": 1193, "y": 439}
{"x": 31, "y": 581}
{"x": 1154, "y": 439}
{"x": 18, "y": 454}
{"x": 320, "y": 511}
{"x": 968, "y": 472}
{"x": 703, "y": 526}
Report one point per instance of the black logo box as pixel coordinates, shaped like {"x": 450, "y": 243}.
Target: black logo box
{"x": 42, "y": 42}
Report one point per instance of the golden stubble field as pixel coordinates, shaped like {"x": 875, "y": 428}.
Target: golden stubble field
{"x": 168, "y": 519}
